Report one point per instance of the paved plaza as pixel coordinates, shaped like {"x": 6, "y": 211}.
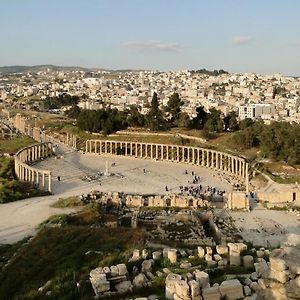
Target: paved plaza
{"x": 131, "y": 175}
{"x": 19, "y": 219}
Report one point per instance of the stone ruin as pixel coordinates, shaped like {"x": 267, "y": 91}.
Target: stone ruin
{"x": 121, "y": 199}
{"x": 267, "y": 275}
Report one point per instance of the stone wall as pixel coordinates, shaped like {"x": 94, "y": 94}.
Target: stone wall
{"x": 171, "y": 200}
{"x": 291, "y": 196}
{"x": 237, "y": 200}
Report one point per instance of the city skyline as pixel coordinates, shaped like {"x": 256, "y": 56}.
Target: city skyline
{"x": 248, "y": 36}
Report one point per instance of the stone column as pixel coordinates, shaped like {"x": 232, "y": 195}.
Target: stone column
{"x": 177, "y": 153}
{"x": 162, "y": 152}
{"x": 247, "y": 178}
{"x": 183, "y": 153}
{"x": 156, "y": 155}
{"x": 37, "y": 177}
{"x": 202, "y": 158}
{"x": 43, "y": 180}
{"x": 151, "y": 151}
{"x": 207, "y": 158}
{"x": 49, "y": 182}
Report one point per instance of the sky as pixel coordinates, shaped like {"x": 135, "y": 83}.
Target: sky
{"x": 261, "y": 36}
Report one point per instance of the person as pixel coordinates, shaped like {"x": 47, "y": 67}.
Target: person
{"x": 167, "y": 189}
{"x": 58, "y": 178}
{"x": 144, "y": 170}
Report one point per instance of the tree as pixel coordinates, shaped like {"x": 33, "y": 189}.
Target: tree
{"x": 230, "y": 122}
{"x": 174, "y": 108}
{"x": 134, "y": 117}
{"x": 199, "y": 120}
{"x": 246, "y": 123}
{"x": 154, "y": 118}
{"x": 214, "y": 122}
{"x": 73, "y": 112}
{"x": 184, "y": 120}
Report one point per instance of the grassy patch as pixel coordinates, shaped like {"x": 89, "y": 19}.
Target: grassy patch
{"x": 60, "y": 255}
{"x": 68, "y": 202}
{"x": 12, "y": 189}
{"x": 14, "y": 144}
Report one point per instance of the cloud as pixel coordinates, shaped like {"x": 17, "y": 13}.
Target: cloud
{"x": 295, "y": 42}
{"x": 242, "y": 40}
{"x": 153, "y": 46}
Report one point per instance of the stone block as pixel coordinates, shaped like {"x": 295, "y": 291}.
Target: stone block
{"x": 247, "y": 290}
{"x": 139, "y": 281}
{"x": 172, "y": 255}
{"x": 122, "y": 269}
{"x": 260, "y": 253}
{"x": 123, "y": 287}
{"x": 280, "y": 276}
{"x": 194, "y": 288}
{"x": 222, "y": 249}
{"x": 277, "y": 263}
{"x": 114, "y": 271}
{"x": 147, "y": 265}
{"x": 202, "y": 278}
{"x": 217, "y": 257}
{"x": 136, "y": 254}
{"x": 182, "y": 289}
{"x": 254, "y": 286}
{"x": 185, "y": 265}
{"x": 209, "y": 250}
{"x": 201, "y": 252}
{"x": 248, "y": 261}
{"x": 171, "y": 279}
{"x": 232, "y": 289}
{"x": 208, "y": 257}
{"x": 211, "y": 293}
{"x": 145, "y": 253}
{"x": 156, "y": 255}
{"x": 261, "y": 268}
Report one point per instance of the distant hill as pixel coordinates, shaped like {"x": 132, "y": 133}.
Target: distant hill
{"x": 39, "y": 68}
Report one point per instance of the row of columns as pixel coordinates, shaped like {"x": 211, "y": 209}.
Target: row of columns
{"x": 199, "y": 156}
{"x": 24, "y": 172}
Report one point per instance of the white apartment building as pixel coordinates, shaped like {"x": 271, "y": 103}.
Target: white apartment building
{"x": 255, "y": 111}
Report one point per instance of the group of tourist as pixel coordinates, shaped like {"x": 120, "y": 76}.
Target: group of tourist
{"x": 199, "y": 190}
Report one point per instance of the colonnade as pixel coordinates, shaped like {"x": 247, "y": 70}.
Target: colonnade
{"x": 234, "y": 165}
{"x": 41, "y": 178}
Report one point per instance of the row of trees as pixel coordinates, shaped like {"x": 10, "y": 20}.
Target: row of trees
{"x": 60, "y": 101}
{"x": 278, "y": 141}
{"x": 109, "y": 120}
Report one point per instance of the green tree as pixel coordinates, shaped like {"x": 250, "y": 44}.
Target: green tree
{"x": 184, "y": 120}
{"x": 134, "y": 117}
{"x": 231, "y": 122}
{"x": 214, "y": 123}
{"x": 200, "y": 119}
{"x": 174, "y": 108}
{"x": 154, "y": 118}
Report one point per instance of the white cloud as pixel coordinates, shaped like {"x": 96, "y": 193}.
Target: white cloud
{"x": 153, "y": 46}
{"x": 295, "y": 42}
{"x": 242, "y": 40}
